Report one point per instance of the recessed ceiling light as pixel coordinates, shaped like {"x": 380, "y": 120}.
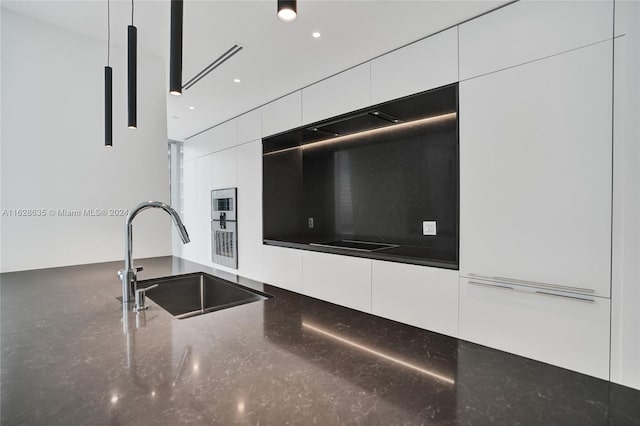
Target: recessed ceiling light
{"x": 236, "y": 80}
{"x": 192, "y": 107}
{"x": 316, "y": 35}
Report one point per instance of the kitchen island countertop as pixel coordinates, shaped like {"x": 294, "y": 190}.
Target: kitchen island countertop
{"x": 70, "y": 357}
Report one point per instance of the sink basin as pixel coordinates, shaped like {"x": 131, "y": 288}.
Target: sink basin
{"x": 185, "y": 296}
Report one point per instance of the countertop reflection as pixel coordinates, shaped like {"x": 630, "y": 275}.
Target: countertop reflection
{"x": 71, "y": 355}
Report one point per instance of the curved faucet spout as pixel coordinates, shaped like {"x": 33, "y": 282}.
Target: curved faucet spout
{"x": 128, "y": 275}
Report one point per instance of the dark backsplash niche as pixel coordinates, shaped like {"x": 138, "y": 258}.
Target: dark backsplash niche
{"x": 376, "y": 186}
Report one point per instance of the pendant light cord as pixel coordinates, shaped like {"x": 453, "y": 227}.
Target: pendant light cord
{"x": 131, "y": 12}
{"x": 108, "y": 32}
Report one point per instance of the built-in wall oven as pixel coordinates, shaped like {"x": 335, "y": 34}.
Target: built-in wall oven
{"x": 224, "y": 227}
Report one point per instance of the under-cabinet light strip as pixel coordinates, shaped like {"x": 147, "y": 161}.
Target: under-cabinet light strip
{"x": 379, "y": 354}
{"x": 400, "y": 126}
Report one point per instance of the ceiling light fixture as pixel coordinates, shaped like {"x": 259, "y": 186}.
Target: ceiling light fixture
{"x": 287, "y": 10}
{"x": 236, "y": 80}
{"x": 316, "y": 35}
{"x": 175, "y": 56}
{"x": 192, "y": 107}
{"x": 132, "y": 47}
{"x": 108, "y": 87}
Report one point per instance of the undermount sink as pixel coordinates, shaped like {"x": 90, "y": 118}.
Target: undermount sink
{"x": 185, "y": 296}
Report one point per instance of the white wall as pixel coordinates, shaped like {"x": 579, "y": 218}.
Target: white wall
{"x": 53, "y": 154}
{"x": 625, "y": 291}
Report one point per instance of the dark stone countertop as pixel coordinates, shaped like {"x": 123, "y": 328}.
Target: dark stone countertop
{"x": 68, "y": 358}
{"x": 412, "y": 255}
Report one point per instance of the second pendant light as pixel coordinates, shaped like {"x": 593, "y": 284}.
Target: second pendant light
{"x": 132, "y": 54}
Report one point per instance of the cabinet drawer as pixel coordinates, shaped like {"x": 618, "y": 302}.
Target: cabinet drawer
{"x": 342, "y": 280}
{"x": 568, "y": 332}
{"x": 282, "y": 267}
{"x": 417, "y": 295}
{"x": 530, "y": 30}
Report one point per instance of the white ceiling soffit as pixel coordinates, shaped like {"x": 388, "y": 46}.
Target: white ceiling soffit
{"x": 277, "y": 58}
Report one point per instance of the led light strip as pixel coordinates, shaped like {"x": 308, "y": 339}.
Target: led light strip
{"x": 379, "y": 354}
{"x": 409, "y": 124}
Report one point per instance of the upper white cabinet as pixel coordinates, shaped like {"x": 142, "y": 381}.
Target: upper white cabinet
{"x": 249, "y": 126}
{"x": 530, "y": 30}
{"x": 348, "y": 91}
{"x": 417, "y": 295}
{"x": 424, "y": 65}
{"x": 342, "y": 280}
{"x": 282, "y": 267}
{"x": 282, "y": 114}
{"x": 216, "y": 139}
{"x": 535, "y": 172}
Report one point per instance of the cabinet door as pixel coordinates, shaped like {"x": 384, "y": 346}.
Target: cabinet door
{"x": 348, "y": 91}
{"x": 342, "y": 280}
{"x": 424, "y": 65}
{"x": 250, "y": 210}
{"x": 216, "y": 139}
{"x": 568, "y": 332}
{"x": 282, "y": 114}
{"x": 282, "y": 267}
{"x": 535, "y": 172}
{"x": 530, "y": 30}
{"x": 249, "y": 126}
{"x": 417, "y": 295}
{"x": 190, "y": 250}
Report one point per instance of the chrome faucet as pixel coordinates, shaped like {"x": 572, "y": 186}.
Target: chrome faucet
{"x": 128, "y": 275}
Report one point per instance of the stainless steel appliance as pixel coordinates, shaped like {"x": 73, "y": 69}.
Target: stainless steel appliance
{"x": 224, "y": 227}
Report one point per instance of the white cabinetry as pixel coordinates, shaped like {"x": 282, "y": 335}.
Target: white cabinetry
{"x": 568, "y": 332}
{"x": 535, "y": 172}
{"x": 249, "y": 126}
{"x": 530, "y": 30}
{"x": 417, "y": 295}
{"x": 250, "y": 209}
{"x": 215, "y": 171}
{"x": 342, "y": 280}
{"x": 424, "y": 65}
{"x": 282, "y": 267}
{"x": 345, "y": 92}
{"x": 220, "y": 137}
{"x": 282, "y": 114}
{"x": 190, "y": 198}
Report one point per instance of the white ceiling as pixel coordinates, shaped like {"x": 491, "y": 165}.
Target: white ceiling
{"x": 277, "y": 58}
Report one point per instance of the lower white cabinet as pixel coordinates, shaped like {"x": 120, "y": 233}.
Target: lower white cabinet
{"x": 282, "y": 267}
{"x": 417, "y": 295}
{"x": 342, "y": 280}
{"x": 562, "y": 330}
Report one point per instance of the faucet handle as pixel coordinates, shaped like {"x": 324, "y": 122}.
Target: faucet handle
{"x": 120, "y": 274}
{"x": 140, "y": 297}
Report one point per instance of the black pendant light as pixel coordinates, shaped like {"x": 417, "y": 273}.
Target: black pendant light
{"x": 132, "y": 46}
{"x": 175, "y": 58}
{"x": 108, "y": 88}
{"x": 287, "y": 10}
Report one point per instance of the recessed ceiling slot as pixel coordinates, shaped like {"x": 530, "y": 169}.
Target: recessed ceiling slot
{"x": 212, "y": 66}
